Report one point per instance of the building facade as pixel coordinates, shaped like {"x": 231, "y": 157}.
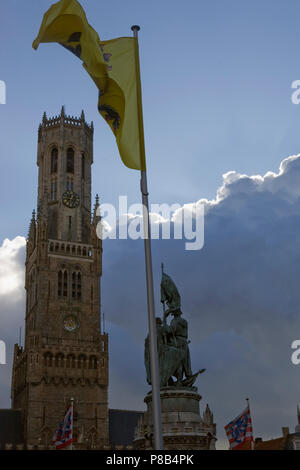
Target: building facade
{"x": 65, "y": 353}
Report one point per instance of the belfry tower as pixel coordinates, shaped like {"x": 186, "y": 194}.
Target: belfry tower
{"x": 65, "y": 354}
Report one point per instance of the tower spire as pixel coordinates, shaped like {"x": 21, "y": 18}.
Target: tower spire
{"x": 32, "y": 226}
{"x": 31, "y": 239}
{"x": 96, "y": 217}
{"x": 208, "y": 417}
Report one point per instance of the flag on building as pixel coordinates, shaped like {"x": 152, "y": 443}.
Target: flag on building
{"x": 64, "y": 435}
{"x": 113, "y": 66}
{"x": 239, "y": 431}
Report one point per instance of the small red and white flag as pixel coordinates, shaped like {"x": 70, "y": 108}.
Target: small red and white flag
{"x": 239, "y": 431}
{"x": 63, "y": 437}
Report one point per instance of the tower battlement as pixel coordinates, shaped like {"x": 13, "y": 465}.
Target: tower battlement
{"x": 66, "y": 120}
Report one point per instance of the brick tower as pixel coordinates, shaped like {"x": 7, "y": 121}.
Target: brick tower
{"x": 65, "y": 354}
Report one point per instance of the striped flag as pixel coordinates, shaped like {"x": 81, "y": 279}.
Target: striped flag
{"x": 64, "y": 437}
{"x": 240, "y": 430}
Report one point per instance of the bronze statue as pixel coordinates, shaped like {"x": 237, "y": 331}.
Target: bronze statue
{"x": 172, "y": 341}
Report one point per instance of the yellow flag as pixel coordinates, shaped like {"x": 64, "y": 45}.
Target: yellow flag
{"x": 113, "y": 65}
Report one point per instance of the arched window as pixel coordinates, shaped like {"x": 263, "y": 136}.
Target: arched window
{"x": 73, "y": 285}
{"x": 70, "y": 160}
{"x": 76, "y": 285}
{"x": 93, "y": 362}
{"x": 62, "y": 284}
{"x": 81, "y": 361}
{"x": 65, "y": 290}
{"x": 59, "y": 284}
{"x": 48, "y": 359}
{"x": 54, "y": 160}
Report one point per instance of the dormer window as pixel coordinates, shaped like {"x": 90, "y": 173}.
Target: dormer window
{"x": 70, "y": 160}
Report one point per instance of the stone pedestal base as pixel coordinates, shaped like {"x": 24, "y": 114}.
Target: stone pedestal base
{"x": 182, "y": 425}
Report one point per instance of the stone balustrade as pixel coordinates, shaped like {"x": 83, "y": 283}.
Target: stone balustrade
{"x": 70, "y": 249}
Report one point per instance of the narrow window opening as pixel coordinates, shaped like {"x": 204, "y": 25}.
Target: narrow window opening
{"x": 54, "y": 159}
{"x": 78, "y": 286}
{"x": 59, "y": 287}
{"x": 53, "y": 195}
{"x": 70, "y": 160}
{"x": 65, "y": 290}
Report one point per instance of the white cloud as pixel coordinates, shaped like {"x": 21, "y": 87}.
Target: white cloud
{"x": 12, "y": 305}
{"x": 286, "y": 181}
{"x": 11, "y": 271}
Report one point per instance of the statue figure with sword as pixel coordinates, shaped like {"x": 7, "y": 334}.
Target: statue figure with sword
{"x": 172, "y": 341}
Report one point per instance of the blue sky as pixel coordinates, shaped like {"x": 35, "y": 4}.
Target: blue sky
{"x": 216, "y": 80}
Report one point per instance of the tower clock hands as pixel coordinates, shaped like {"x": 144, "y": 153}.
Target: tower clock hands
{"x": 70, "y": 199}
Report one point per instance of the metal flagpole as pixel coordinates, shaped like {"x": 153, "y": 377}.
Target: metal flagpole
{"x": 72, "y": 405}
{"x": 251, "y": 443}
{"x": 156, "y": 411}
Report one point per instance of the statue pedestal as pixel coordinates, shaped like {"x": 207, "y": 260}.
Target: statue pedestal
{"x": 183, "y": 427}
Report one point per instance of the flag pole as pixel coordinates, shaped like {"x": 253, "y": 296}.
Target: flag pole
{"x": 72, "y": 405}
{"x": 156, "y": 408}
{"x": 252, "y": 442}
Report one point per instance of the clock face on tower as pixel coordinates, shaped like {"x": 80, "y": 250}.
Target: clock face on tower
{"x": 70, "y": 199}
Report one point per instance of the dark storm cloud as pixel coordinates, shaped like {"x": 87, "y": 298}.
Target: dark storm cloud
{"x": 240, "y": 294}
